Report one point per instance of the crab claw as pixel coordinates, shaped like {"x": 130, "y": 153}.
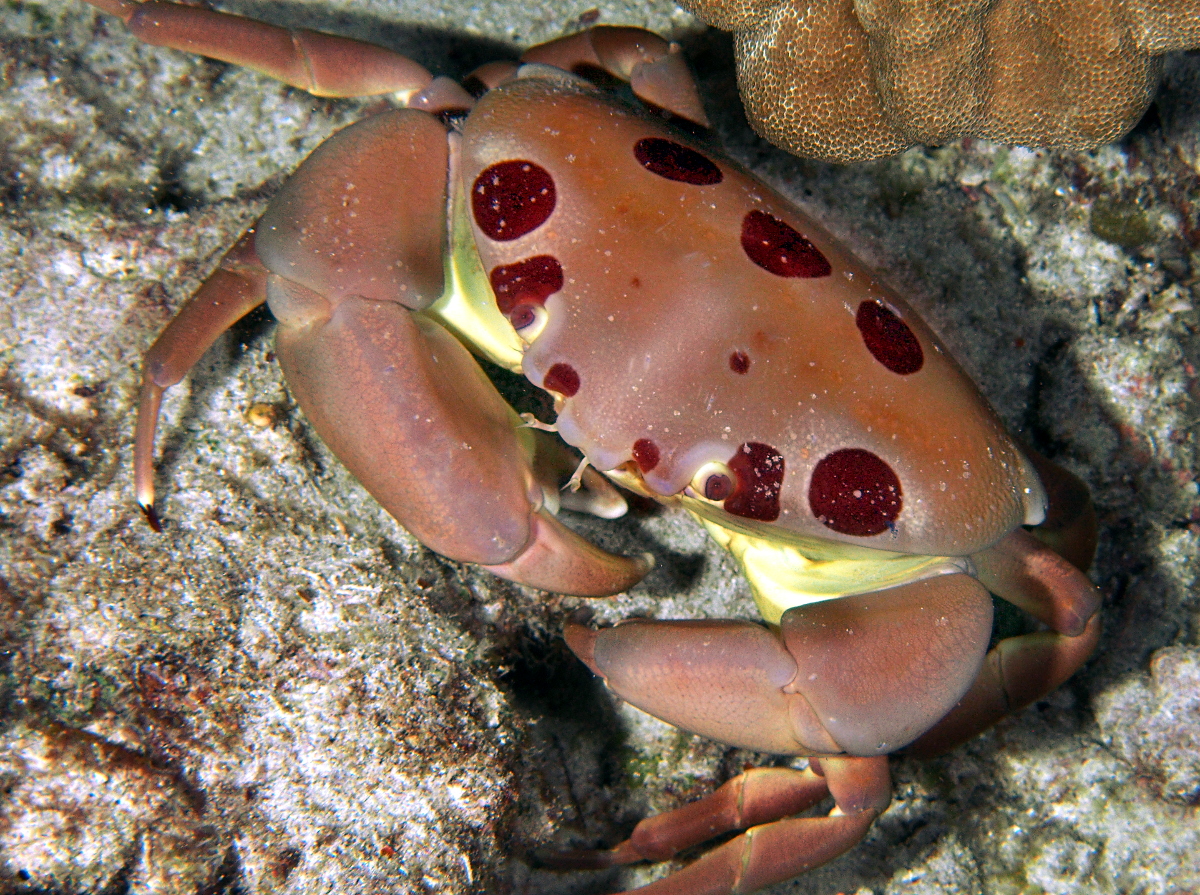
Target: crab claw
{"x": 408, "y": 411}
{"x": 394, "y": 395}
{"x": 397, "y": 398}
{"x": 557, "y": 559}
{"x": 861, "y": 675}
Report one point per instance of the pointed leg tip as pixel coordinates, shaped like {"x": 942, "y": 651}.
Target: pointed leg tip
{"x": 572, "y": 859}
{"x": 123, "y": 9}
{"x": 152, "y": 517}
{"x": 586, "y": 858}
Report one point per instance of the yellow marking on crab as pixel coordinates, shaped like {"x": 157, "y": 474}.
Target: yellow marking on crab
{"x": 788, "y": 569}
{"x": 786, "y": 574}
{"x": 467, "y": 306}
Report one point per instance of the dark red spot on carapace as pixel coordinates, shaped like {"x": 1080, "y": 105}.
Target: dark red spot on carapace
{"x": 779, "y": 249}
{"x": 645, "y": 454}
{"x": 677, "y": 162}
{"x": 854, "y": 492}
{"x": 520, "y": 286}
{"x": 510, "y": 199}
{"x": 888, "y": 338}
{"x": 758, "y": 469}
{"x": 739, "y": 362}
{"x": 563, "y": 379}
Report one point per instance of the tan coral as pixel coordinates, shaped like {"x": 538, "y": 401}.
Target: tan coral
{"x": 849, "y": 80}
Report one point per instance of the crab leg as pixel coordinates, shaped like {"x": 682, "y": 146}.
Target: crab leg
{"x": 756, "y": 796}
{"x": 350, "y": 247}
{"x": 233, "y": 290}
{"x": 1021, "y": 670}
{"x": 1046, "y": 583}
{"x": 655, "y": 69}
{"x": 408, "y": 411}
{"x": 322, "y": 64}
{"x": 1070, "y": 526}
{"x": 774, "y": 846}
{"x": 864, "y": 674}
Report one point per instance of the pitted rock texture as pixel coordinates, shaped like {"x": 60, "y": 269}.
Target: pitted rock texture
{"x": 850, "y": 80}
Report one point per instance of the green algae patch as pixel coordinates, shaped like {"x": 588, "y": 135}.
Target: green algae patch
{"x": 1122, "y": 223}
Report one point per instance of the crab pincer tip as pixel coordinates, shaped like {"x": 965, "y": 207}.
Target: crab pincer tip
{"x": 582, "y": 642}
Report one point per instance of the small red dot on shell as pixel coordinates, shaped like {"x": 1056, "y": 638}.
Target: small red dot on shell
{"x": 759, "y": 470}
{"x": 674, "y": 161}
{"x": 645, "y": 454}
{"x": 510, "y": 199}
{"x": 780, "y": 249}
{"x": 855, "y": 492}
{"x": 889, "y": 339}
{"x": 529, "y": 281}
{"x": 563, "y": 379}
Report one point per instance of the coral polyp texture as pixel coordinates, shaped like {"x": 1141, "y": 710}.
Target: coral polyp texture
{"x": 851, "y": 80}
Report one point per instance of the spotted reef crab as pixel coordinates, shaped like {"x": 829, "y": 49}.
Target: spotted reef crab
{"x": 707, "y": 346}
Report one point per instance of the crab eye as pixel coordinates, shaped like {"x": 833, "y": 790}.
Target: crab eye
{"x": 529, "y": 321}
{"x": 713, "y": 481}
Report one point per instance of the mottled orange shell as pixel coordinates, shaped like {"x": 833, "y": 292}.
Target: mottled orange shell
{"x": 849, "y": 80}
{"x": 664, "y": 330}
